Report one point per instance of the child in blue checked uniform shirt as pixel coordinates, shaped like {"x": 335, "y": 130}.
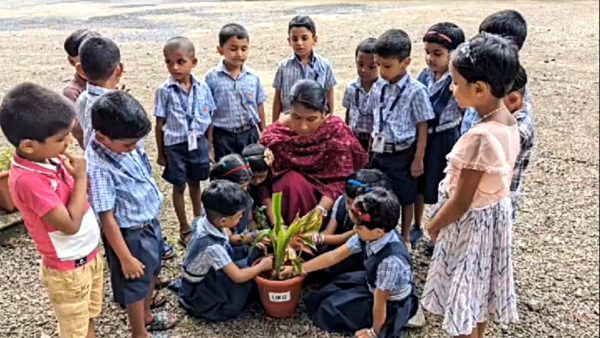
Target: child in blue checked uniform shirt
{"x": 127, "y": 201}
{"x": 304, "y": 64}
{"x": 358, "y": 117}
{"x": 238, "y": 94}
{"x": 401, "y": 109}
{"x": 444, "y": 130}
{"x": 217, "y": 279}
{"x": 379, "y": 301}
{"x": 509, "y": 24}
{"x": 183, "y": 107}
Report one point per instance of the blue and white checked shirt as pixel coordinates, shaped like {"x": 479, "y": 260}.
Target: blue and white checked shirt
{"x": 169, "y": 104}
{"x": 451, "y": 113}
{"x": 123, "y": 183}
{"x": 292, "y": 69}
{"x": 198, "y": 262}
{"x": 399, "y": 125}
{"x": 355, "y": 100}
{"x": 527, "y": 138}
{"x": 238, "y": 99}
{"x": 472, "y": 117}
{"x": 83, "y": 109}
{"x": 393, "y": 274}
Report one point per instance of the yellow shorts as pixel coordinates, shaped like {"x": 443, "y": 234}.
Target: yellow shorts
{"x": 76, "y": 296}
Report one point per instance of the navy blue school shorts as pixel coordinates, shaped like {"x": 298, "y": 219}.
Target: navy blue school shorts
{"x": 227, "y": 142}
{"x": 184, "y": 165}
{"x": 145, "y": 244}
{"x": 438, "y": 146}
{"x": 397, "y": 167}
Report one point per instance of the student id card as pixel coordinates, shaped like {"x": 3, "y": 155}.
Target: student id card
{"x": 378, "y": 143}
{"x": 192, "y": 140}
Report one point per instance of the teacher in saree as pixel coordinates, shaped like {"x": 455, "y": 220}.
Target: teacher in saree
{"x": 313, "y": 154}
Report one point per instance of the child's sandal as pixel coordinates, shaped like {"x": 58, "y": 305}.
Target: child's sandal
{"x": 168, "y": 251}
{"x": 162, "y": 321}
{"x": 162, "y": 282}
{"x": 158, "y": 299}
{"x": 185, "y": 238}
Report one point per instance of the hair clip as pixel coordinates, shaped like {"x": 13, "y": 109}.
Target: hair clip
{"x": 441, "y": 35}
{"x": 363, "y": 216}
{"x": 268, "y": 157}
{"x": 356, "y": 183}
{"x": 466, "y": 51}
{"x": 235, "y": 170}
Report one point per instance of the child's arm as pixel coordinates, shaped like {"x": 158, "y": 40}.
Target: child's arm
{"x": 331, "y": 226}
{"x": 379, "y": 314}
{"x": 209, "y": 136}
{"x": 459, "y": 202}
{"x": 77, "y": 133}
{"x": 243, "y": 275}
{"x": 338, "y": 239}
{"x": 330, "y": 98}
{"x": 160, "y": 141}
{"x": 417, "y": 168}
{"x": 277, "y": 106}
{"x": 261, "y": 115}
{"x": 347, "y": 119}
{"x": 132, "y": 268}
{"x": 68, "y": 219}
{"x": 327, "y": 259}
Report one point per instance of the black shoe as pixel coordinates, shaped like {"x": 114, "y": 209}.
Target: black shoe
{"x": 416, "y": 232}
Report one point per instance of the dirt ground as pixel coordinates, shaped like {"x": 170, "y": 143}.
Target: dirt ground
{"x": 556, "y": 235}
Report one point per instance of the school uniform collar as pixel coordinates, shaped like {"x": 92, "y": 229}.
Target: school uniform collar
{"x": 375, "y": 246}
{"x": 48, "y": 169}
{"x": 115, "y": 156}
{"x": 223, "y": 69}
{"x": 96, "y": 90}
{"x": 313, "y": 58}
{"x": 400, "y": 82}
{"x": 359, "y": 84}
{"x": 207, "y": 227}
{"x": 171, "y": 82}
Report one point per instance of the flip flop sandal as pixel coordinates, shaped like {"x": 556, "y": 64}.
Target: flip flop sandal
{"x": 185, "y": 238}
{"x": 158, "y": 299}
{"x": 168, "y": 251}
{"x": 162, "y": 321}
{"x": 162, "y": 282}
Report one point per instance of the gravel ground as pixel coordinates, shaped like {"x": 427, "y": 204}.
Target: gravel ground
{"x": 556, "y": 235}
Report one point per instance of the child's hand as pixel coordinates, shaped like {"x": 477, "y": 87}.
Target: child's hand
{"x": 287, "y": 271}
{"x": 433, "y": 234}
{"x": 266, "y": 264}
{"x": 365, "y": 333}
{"x": 417, "y": 168}
{"x": 76, "y": 166}
{"x": 161, "y": 161}
{"x": 211, "y": 154}
{"x": 132, "y": 268}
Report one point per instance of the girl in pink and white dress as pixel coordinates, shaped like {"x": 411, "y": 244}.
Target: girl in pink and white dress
{"x": 470, "y": 279}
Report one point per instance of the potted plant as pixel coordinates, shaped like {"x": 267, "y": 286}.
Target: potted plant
{"x": 279, "y": 295}
{"x": 6, "y": 203}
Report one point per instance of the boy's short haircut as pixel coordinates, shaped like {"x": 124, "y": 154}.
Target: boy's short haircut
{"x": 445, "y": 34}
{"x": 520, "y": 81}
{"x": 379, "y": 207}
{"x": 119, "y": 116}
{"x": 489, "y": 58}
{"x": 30, "y": 111}
{"x": 180, "y": 43}
{"x": 254, "y": 154}
{"x": 75, "y": 39}
{"x": 509, "y": 24}
{"x": 231, "y": 30}
{"x": 223, "y": 198}
{"x": 394, "y": 43}
{"x": 364, "y": 180}
{"x": 366, "y": 46}
{"x": 99, "y": 57}
{"x": 305, "y": 21}
{"x": 233, "y": 168}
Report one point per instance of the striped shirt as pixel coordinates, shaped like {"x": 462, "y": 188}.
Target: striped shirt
{"x": 451, "y": 114}
{"x": 292, "y": 69}
{"x": 237, "y": 100}
{"x": 393, "y": 274}
{"x": 183, "y": 111}
{"x": 355, "y": 100}
{"x": 123, "y": 183}
{"x": 83, "y": 109}
{"x": 527, "y": 138}
{"x": 398, "y": 108}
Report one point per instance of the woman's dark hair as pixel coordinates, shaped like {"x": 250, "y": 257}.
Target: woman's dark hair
{"x": 488, "y": 58}
{"x": 445, "y": 34}
{"x": 379, "y": 208}
{"x": 509, "y": 24}
{"x": 118, "y": 115}
{"x": 366, "y": 46}
{"x": 309, "y": 94}
{"x": 254, "y": 154}
{"x": 223, "y": 198}
{"x": 364, "y": 180}
{"x": 233, "y": 168}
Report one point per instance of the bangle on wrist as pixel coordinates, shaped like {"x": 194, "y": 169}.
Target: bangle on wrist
{"x": 322, "y": 209}
{"x": 372, "y": 333}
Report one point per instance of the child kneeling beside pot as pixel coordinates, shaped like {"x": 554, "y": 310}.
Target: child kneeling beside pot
{"x": 377, "y": 302}
{"x": 217, "y": 279}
